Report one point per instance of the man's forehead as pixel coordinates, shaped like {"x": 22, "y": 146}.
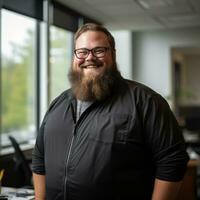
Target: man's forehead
{"x": 92, "y": 37}
{"x": 90, "y": 34}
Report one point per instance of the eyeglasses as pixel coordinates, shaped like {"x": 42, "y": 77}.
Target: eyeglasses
{"x": 97, "y": 52}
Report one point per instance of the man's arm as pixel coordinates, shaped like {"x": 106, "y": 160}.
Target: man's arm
{"x": 165, "y": 190}
{"x": 39, "y": 186}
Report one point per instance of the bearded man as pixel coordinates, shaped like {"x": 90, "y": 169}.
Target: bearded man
{"x": 107, "y": 138}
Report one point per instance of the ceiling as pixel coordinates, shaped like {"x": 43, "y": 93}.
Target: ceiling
{"x": 139, "y": 14}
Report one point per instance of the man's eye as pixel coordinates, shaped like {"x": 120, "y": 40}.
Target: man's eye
{"x": 98, "y": 51}
{"x": 82, "y": 52}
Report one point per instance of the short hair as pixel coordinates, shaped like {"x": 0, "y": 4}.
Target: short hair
{"x": 95, "y": 27}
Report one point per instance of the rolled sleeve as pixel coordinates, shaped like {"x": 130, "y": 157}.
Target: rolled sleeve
{"x": 165, "y": 140}
{"x": 171, "y": 163}
{"x": 38, "y": 165}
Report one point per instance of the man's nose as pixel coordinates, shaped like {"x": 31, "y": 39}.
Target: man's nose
{"x": 90, "y": 56}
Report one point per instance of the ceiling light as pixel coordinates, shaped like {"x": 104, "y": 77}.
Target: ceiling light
{"x": 143, "y": 4}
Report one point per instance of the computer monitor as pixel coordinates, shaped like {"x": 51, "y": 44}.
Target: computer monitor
{"x": 191, "y": 116}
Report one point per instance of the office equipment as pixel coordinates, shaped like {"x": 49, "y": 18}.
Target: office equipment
{"x": 9, "y": 193}
{"x": 1, "y": 174}
{"x": 1, "y": 177}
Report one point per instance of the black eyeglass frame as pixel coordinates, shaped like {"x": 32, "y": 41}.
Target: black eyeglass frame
{"x": 93, "y": 51}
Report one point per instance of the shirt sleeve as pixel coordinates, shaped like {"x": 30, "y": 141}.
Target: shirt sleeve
{"x": 38, "y": 165}
{"x": 38, "y": 157}
{"x": 164, "y": 139}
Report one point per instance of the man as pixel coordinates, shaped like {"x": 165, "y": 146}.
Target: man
{"x": 107, "y": 137}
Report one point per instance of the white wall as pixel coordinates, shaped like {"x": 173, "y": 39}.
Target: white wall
{"x": 152, "y": 55}
{"x": 123, "y": 40}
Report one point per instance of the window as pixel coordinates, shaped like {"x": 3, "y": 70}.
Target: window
{"x": 60, "y": 60}
{"x": 18, "y": 94}
{"x": 33, "y": 70}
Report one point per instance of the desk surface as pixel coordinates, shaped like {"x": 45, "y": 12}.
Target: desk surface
{"x": 194, "y": 163}
{"x": 17, "y": 193}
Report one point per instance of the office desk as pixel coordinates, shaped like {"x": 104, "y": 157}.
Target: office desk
{"x": 17, "y": 193}
{"x": 189, "y": 186}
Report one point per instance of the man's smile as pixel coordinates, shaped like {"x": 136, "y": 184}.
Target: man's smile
{"x": 90, "y": 66}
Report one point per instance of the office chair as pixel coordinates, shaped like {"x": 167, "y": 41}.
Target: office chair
{"x": 22, "y": 163}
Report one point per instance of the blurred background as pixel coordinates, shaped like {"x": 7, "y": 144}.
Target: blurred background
{"x": 157, "y": 43}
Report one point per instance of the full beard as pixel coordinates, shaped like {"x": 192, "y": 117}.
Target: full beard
{"x": 94, "y": 88}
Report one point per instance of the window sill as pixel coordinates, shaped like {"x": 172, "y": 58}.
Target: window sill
{"x": 10, "y": 150}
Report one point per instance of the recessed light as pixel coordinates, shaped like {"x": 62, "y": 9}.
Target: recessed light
{"x": 143, "y": 4}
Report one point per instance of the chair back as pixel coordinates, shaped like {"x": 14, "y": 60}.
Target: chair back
{"x": 22, "y": 162}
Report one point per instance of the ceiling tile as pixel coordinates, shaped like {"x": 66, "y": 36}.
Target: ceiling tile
{"x": 195, "y": 4}
{"x": 181, "y": 20}
{"x": 131, "y": 14}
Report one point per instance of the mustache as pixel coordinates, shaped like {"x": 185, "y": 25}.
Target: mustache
{"x": 96, "y": 64}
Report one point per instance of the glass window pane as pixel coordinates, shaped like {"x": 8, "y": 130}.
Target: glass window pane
{"x": 18, "y": 76}
{"x": 60, "y": 60}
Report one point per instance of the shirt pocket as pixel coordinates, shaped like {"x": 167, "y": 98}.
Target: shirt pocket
{"x": 110, "y": 128}
{"x": 118, "y": 138}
